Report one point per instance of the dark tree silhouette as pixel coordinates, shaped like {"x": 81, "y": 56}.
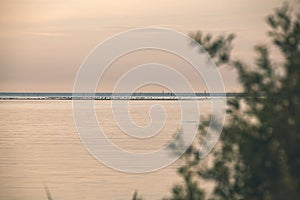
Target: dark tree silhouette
{"x": 258, "y": 156}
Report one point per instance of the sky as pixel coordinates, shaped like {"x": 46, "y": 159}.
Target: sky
{"x": 44, "y": 42}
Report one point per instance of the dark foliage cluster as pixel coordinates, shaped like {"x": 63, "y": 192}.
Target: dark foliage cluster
{"x": 259, "y": 153}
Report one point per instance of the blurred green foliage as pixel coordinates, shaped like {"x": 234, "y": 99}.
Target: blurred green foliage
{"x": 258, "y": 156}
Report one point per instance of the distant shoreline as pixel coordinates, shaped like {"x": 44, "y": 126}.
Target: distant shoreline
{"x": 114, "y": 96}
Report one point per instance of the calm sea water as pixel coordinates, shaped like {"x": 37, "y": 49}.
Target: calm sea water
{"x": 39, "y": 145}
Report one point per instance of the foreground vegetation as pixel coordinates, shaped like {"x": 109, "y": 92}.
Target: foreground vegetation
{"x": 259, "y": 152}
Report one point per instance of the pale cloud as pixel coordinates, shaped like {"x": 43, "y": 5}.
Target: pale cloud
{"x": 50, "y": 34}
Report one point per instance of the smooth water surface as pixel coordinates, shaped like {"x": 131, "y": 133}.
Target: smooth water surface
{"x": 39, "y": 145}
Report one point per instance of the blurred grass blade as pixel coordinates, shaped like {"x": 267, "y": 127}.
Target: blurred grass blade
{"x": 49, "y": 197}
